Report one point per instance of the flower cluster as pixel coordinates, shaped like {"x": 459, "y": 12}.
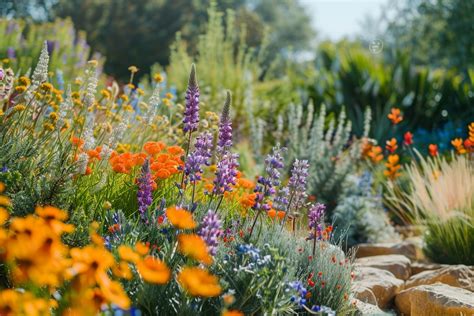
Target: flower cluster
{"x": 226, "y": 173}
{"x": 191, "y": 113}
{"x": 145, "y": 187}
{"x": 211, "y": 229}
{"x": 225, "y": 127}
{"x": 199, "y": 157}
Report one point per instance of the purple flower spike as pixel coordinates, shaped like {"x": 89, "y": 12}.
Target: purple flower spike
{"x": 316, "y": 215}
{"x": 144, "y": 195}
{"x": 210, "y": 230}
{"x": 225, "y": 127}
{"x": 226, "y": 173}
{"x": 299, "y": 176}
{"x": 199, "y": 157}
{"x": 191, "y": 112}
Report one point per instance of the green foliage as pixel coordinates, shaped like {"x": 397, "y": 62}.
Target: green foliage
{"x": 68, "y": 49}
{"x": 450, "y": 241}
{"x": 322, "y": 140}
{"x": 435, "y": 33}
{"x": 360, "y": 214}
{"x": 348, "y": 76}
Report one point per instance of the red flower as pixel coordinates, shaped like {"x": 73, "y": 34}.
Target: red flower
{"x": 433, "y": 149}
{"x": 408, "y": 138}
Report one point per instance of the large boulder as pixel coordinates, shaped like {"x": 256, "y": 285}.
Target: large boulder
{"x": 418, "y": 267}
{"x": 397, "y": 264}
{"x": 436, "y": 299}
{"x": 367, "y": 309}
{"x": 410, "y": 249}
{"x": 458, "y": 276}
{"x": 376, "y": 286}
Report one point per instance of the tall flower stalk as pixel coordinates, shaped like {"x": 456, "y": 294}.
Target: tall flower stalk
{"x": 266, "y": 185}
{"x": 198, "y": 158}
{"x": 224, "y": 143}
{"x": 226, "y": 176}
{"x": 191, "y": 111}
{"x": 297, "y": 186}
{"x": 315, "y": 216}
{"x": 145, "y": 187}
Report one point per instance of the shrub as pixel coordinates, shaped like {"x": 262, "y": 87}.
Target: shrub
{"x": 360, "y": 211}
{"x": 441, "y": 197}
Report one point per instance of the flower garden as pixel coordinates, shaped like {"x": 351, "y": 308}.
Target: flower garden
{"x": 176, "y": 193}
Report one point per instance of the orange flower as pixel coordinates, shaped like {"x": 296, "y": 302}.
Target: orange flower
{"x": 195, "y": 247}
{"x": 141, "y": 248}
{"x": 122, "y": 270}
{"x": 471, "y": 132}
{"x": 175, "y": 150}
{"x": 458, "y": 145}
{"x": 77, "y": 142}
{"x": 272, "y": 213}
{"x": 233, "y": 313}
{"x": 391, "y": 145}
{"x": 395, "y": 116}
{"x": 281, "y": 215}
{"x": 433, "y": 150}
{"x": 153, "y": 270}
{"x": 126, "y": 253}
{"x": 375, "y": 154}
{"x": 153, "y": 148}
{"x": 392, "y": 167}
{"x": 199, "y": 282}
{"x": 247, "y": 200}
{"x": 94, "y": 153}
{"x": 180, "y": 218}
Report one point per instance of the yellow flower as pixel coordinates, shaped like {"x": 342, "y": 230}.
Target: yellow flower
{"x": 199, "y": 282}
{"x": 154, "y": 270}
{"x": 122, "y": 270}
{"x": 128, "y": 108}
{"x": 25, "y": 81}
{"x": 124, "y": 97}
{"x": 2, "y": 187}
{"x": 48, "y": 126}
{"x": 158, "y": 77}
{"x": 6, "y": 61}
{"x": 93, "y": 62}
{"x": 180, "y": 218}
{"x": 140, "y": 91}
{"x": 105, "y": 93}
{"x": 1, "y": 112}
{"x": 131, "y": 85}
{"x": 75, "y": 95}
{"x": 195, "y": 247}
{"x": 46, "y": 86}
{"x": 54, "y": 116}
{"x": 20, "y": 89}
{"x": 169, "y": 95}
{"x": 166, "y": 102}
{"x": 133, "y": 69}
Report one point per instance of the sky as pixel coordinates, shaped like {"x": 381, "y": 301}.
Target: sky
{"x": 335, "y": 19}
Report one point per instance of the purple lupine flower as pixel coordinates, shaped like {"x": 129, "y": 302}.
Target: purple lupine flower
{"x": 280, "y": 202}
{"x": 11, "y": 53}
{"x": 225, "y": 127}
{"x": 210, "y": 230}
{"x": 226, "y": 173}
{"x": 316, "y": 215}
{"x": 266, "y": 185}
{"x": 2, "y": 74}
{"x": 145, "y": 187}
{"x": 199, "y": 157}
{"x": 191, "y": 112}
{"x": 299, "y": 176}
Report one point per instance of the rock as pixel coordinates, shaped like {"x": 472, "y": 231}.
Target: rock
{"x": 397, "y": 264}
{"x": 381, "y": 283}
{"x": 363, "y": 293}
{"x": 368, "y": 309}
{"x": 457, "y": 275}
{"x": 410, "y": 249}
{"x": 417, "y": 267}
{"x": 435, "y": 299}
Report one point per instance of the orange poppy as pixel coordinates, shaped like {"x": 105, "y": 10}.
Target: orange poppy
{"x": 180, "y": 218}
